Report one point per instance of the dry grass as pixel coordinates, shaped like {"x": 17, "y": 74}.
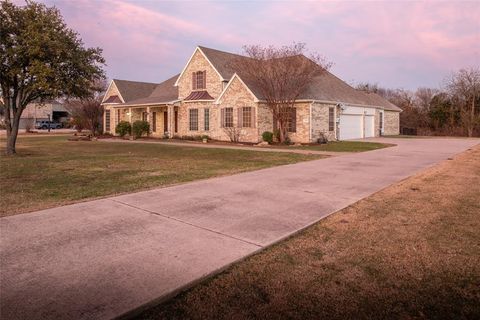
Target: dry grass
{"x": 409, "y": 251}
{"x": 50, "y": 171}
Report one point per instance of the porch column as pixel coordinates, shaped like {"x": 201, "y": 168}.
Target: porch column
{"x": 149, "y": 118}
{"x": 130, "y": 115}
{"x": 170, "y": 114}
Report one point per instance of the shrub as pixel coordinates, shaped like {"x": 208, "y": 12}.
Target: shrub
{"x": 205, "y": 136}
{"x": 268, "y": 137}
{"x": 139, "y": 128}
{"x": 123, "y": 128}
{"x": 322, "y": 139}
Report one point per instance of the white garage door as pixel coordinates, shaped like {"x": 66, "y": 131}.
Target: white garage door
{"x": 350, "y": 126}
{"x": 369, "y": 126}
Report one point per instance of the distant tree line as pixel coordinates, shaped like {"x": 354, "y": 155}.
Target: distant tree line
{"x": 453, "y": 109}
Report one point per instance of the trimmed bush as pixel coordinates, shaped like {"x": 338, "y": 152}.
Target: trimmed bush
{"x": 139, "y": 128}
{"x": 123, "y": 128}
{"x": 268, "y": 137}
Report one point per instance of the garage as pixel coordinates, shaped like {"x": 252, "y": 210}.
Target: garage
{"x": 356, "y": 123}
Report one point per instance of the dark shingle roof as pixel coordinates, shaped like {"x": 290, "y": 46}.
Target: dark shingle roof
{"x": 324, "y": 87}
{"x": 113, "y": 99}
{"x": 162, "y": 93}
{"x": 222, "y": 61}
{"x": 131, "y": 90}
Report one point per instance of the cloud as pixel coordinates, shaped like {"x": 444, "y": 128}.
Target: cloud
{"x": 403, "y": 44}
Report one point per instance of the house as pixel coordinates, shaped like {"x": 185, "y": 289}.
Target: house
{"x": 209, "y": 98}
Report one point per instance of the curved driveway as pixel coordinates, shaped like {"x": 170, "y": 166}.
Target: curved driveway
{"x": 101, "y": 259}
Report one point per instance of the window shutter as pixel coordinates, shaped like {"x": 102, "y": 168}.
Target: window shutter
{"x": 194, "y": 81}
{"x": 254, "y": 113}
{"x": 222, "y": 117}
{"x": 204, "y": 79}
{"x": 240, "y": 117}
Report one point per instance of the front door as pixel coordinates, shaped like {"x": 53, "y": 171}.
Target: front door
{"x": 176, "y": 121}
{"x": 165, "y": 121}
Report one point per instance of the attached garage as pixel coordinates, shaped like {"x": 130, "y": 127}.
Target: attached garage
{"x": 356, "y": 123}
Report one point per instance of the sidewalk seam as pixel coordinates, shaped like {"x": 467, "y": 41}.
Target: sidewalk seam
{"x": 187, "y": 223}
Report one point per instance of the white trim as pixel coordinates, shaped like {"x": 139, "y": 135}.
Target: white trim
{"x": 188, "y": 62}
{"x": 200, "y": 100}
{"x": 147, "y": 104}
{"x": 108, "y": 89}
{"x": 235, "y": 75}
{"x": 347, "y": 103}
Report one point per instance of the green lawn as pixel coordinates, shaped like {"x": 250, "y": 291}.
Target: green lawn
{"x": 50, "y": 171}
{"x": 342, "y": 146}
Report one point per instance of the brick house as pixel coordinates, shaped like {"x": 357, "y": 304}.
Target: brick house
{"x": 209, "y": 98}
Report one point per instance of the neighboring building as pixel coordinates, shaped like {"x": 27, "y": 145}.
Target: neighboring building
{"x": 53, "y": 110}
{"x": 209, "y": 98}
{"x": 49, "y": 110}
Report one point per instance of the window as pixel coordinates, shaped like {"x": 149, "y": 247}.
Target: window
{"x": 193, "y": 119}
{"x": 107, "y": 120}
{"x": 199, "y": 80}
{"x": 331, "y": 119}
{"x": 227, "y": 118}
{"x": 292, "y": 120}
{"x": 154, "y": 122}
{"x": 144, "y": 116}
{"x": 118, "y": 115}
{"x": 206, "y": 119}
{"x": 246, "y": 117}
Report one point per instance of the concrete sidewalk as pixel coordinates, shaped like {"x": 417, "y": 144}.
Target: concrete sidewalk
{"x": 102, "y": 259}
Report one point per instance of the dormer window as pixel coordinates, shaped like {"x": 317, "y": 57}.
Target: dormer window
{"x": 199, "y": 80}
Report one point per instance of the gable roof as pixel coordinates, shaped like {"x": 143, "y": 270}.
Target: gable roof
{"x": 164, "y": 92}
{"x": 131, "y": 90}
{"x": 113, "y": 99}
{"x": 324, "y": 87}
{"x": 222, "y": 61}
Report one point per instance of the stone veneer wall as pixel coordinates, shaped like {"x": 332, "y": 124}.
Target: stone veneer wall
{"x": 392, "y": 123}
{"x": 302, "y": 134}
{"x": 320, "y": 113}
{"x": 236, "y": 97}
{"x": 264, "y": 119}
{"x": 214, "y": 85}
{"x": 184, "y": 119}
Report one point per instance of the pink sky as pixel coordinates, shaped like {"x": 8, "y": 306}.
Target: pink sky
{"x": 395, "y": 44}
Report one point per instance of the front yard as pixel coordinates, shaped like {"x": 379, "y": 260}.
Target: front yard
{"x": 50, "y": 171}
{"x": 409, "y": 251}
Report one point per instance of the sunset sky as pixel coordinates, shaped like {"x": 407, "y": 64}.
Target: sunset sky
{"x": 395, "y": 44}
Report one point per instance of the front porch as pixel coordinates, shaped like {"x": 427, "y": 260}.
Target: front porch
{"x": 163, "y": 119}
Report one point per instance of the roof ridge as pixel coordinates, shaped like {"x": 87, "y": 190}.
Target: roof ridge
{"x": 133, "y": 81}
{"x": 221, "y": 51}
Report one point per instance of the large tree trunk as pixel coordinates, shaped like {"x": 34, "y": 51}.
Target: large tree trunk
{"x": 12, "y": 122}
{"x": 12, "y": 139}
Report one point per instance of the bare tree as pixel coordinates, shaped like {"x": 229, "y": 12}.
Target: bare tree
{"x": 281, "y": 75}
{"x": 464, "y": 89}
{"x": 88, "y": 112}
{"x": 233, "y": 133}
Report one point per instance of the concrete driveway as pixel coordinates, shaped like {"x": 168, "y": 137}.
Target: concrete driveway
{"x": 101, "y": 259}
